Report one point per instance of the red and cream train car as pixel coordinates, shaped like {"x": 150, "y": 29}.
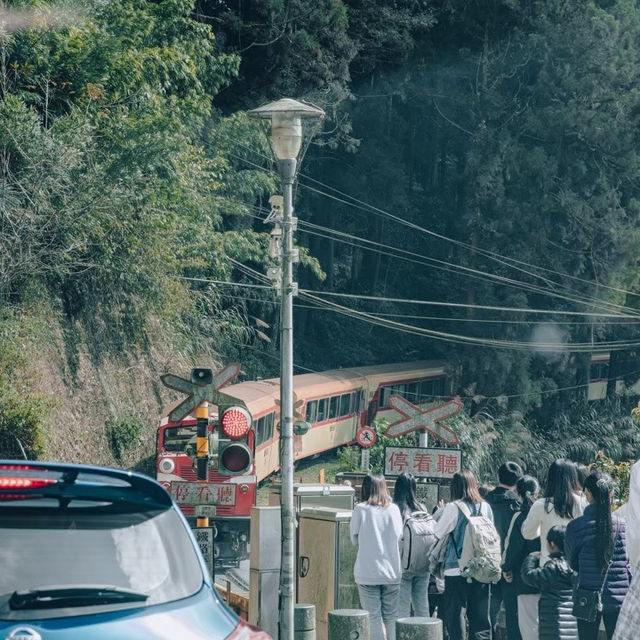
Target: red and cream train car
{"x": 334, "y": 404}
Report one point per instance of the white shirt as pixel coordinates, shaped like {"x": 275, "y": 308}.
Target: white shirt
{"x": 539, "y": 520}
{"x": 377, "y": 532}
{"x": 632, "y": 516}
{"x": 447, "y": 521}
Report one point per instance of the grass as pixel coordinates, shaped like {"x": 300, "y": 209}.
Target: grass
{"x": 306, "y": 471}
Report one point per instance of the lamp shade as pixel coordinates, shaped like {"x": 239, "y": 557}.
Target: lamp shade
{"x": 286, "y": 124}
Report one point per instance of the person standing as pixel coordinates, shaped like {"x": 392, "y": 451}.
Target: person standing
{"x": 460, "y": 593}
{"x": 414, "y": 590}
{"x": 515, "y": 552}
{"x": 376, "y": 529}
{"x": 504, "y": 504}
{"x": 596, "y": 550}
{"x": 560, "y": 505}
{"x": 554, "y": 580}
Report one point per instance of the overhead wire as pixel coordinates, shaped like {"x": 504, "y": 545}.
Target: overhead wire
{"x": 465, "y": 339}
{"x": 445, "y": 266}
{"x": 505, "y": 260}
{"x": 450, "y": 337}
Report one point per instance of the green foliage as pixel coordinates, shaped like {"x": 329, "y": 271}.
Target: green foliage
{"x": 123, "y": 435}
{"x": 23, "y": 422}
{"x": 620, "y": 472}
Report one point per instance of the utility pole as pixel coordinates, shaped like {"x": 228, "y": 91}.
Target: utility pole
{"x": 287, "y": 290}
{"x": 286, "y": 138}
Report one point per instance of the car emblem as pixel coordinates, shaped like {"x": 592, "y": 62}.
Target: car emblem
{"x": 24, "y": 633}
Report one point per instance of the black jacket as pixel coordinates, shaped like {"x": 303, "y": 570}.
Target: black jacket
{"x": 581, "y": 553}
{"x": 517, "y": 550}
{"x": 555, "y": 582}
{"x": 504, "y": 503}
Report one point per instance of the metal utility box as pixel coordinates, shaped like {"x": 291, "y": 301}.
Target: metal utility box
{"x": 317, "y": 495}
{"x": 325, "y": 563}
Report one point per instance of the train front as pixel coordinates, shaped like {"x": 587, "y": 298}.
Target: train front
{"x": 225, "y": 489}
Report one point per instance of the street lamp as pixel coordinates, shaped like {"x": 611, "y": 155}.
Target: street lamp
{"x": 286, "y": 138}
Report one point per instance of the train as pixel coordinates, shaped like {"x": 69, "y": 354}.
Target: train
{"x": 333, "y": 404}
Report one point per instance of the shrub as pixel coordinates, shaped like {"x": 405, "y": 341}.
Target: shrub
{"x": 22, "y": 425}
{"x": 123, "y": 434}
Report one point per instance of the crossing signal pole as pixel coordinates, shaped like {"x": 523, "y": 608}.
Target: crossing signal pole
{"x": 286, "y": 138}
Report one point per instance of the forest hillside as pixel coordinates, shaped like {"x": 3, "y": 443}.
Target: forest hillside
{"x": 473, "y": 196}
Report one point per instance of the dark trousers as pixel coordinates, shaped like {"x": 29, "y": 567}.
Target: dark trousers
{"x": 589, "y": 630}
{"x": 510, "y": 599}
{"x": 474, "y": 596}
{"x": 436, "y": 604}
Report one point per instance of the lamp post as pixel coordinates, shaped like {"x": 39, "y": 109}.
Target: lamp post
{"x": 286, "y": 138}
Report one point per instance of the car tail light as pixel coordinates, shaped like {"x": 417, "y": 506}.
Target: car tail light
{"x": 19, "y": 484}
{"x": 236, "y": 422}
{"x": 245, "y": 631}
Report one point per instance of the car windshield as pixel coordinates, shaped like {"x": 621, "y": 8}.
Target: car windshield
{"x": 145, "y": 558}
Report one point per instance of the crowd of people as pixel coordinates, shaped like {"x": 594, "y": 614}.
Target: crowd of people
{"x": 564, "y": 561}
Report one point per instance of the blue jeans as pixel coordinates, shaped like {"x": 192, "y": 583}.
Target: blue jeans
{"x": 414, "y": 593}
{"x": 381, "y": 601}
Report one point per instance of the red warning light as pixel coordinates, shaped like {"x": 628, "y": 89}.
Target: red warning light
{"x": 236, "y": 423}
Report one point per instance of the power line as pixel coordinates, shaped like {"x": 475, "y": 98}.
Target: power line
{"x": 462, "y": 305}
{"x": 510, "y": 262}
{"x": 465, "y": 339}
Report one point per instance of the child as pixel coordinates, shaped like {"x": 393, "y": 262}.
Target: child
{"x": 555, "y": 582}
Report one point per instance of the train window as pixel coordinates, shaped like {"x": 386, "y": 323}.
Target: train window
{"x": 411, "y": 392}
{"x": 259, "y": 427}
{"x": 268, "y": 426}
{"x": 384, "y": 396}
{"x": 333, "y": 407}
{"x": 345, "y": 404}
{"x": 353, "y": 402}
{"x": 312, "y": 410}
{"x": 176, "y": 438}
{"x": 362, "y": 401}
{"x": 322, "y": 409}
{"x": 426, "y": 390}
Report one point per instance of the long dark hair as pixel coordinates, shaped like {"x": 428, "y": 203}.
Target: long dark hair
{"x": 559, "y": 494}
{"x": 600, "y": 486}
{"x": 404, "y": 494}
{"x": 527, "y": 488}
{"x": 464, "y": 486}
{"x": 374, "y": 490}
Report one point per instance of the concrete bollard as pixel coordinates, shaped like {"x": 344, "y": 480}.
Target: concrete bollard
{"x": 419, "y": 629}
{"x": 348, "y": 624}
{"x": 304, "y": 622}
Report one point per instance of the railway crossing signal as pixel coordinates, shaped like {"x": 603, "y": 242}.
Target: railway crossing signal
{"x": 203, "y": 387}
{"x": 415, "y": 418}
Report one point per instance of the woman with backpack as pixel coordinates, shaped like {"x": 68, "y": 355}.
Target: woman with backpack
{"x": 516, "y": 549}
{"x": 414, "y": 588}
{"x": 376, "y": 529}
{"x": 461, "y": 592}
{"x": 596, "y": 550}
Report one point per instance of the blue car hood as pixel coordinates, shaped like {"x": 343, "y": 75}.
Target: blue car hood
{"x": 200, "y": 616}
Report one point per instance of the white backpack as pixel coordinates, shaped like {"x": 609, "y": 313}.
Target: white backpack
{"x": 417, "y": 542}
{"x": 481, "y": 558}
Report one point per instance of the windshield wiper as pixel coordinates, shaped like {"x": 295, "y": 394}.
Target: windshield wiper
{"x": 82, "y": 596}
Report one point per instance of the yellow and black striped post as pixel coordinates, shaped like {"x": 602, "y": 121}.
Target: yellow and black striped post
{"x": 202, "y": 450}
